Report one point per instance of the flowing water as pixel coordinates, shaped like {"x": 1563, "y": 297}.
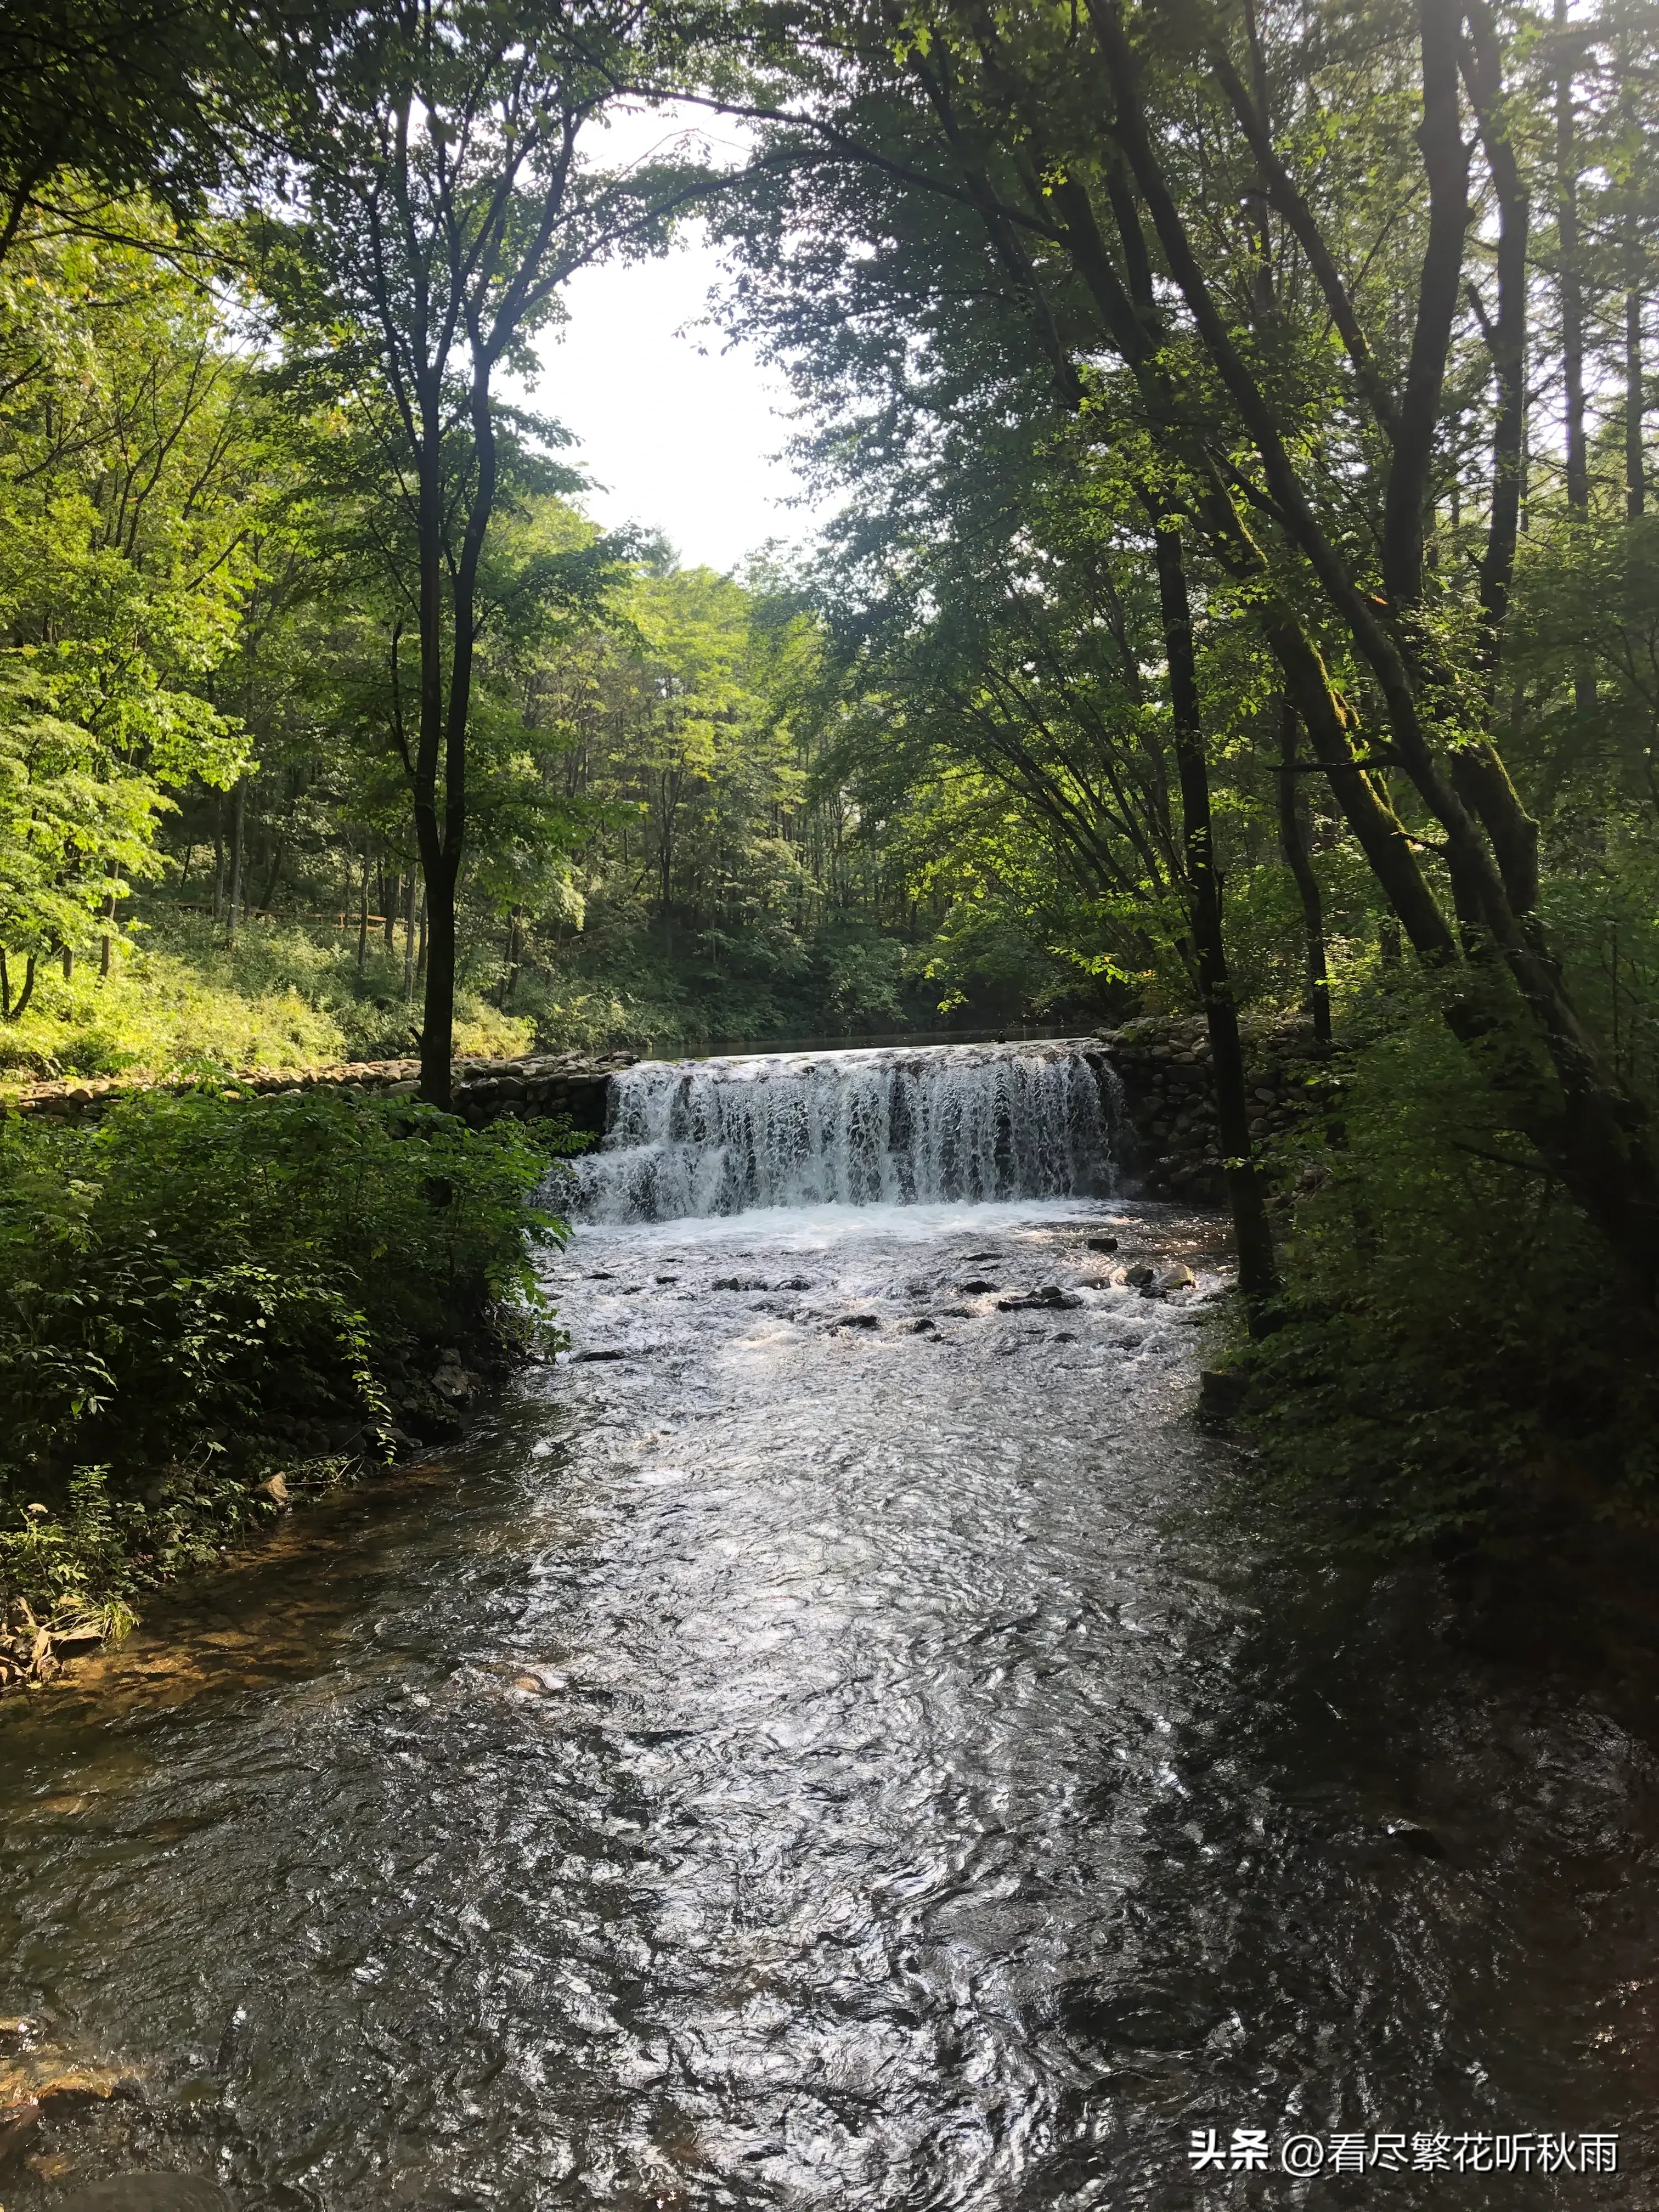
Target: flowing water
{"x": 854, "y": 1129}
{"x": 804, "y": 1752}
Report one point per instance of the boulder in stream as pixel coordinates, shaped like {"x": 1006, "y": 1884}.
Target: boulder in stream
{"x": 19, "y": 2125}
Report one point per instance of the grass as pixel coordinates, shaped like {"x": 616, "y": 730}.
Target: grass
{"x": 179, "y": 1002}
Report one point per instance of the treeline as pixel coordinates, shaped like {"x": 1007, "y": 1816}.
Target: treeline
{"x": 209, "y": 683}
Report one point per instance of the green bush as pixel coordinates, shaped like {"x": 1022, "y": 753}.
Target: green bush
{"x": 1460, "y": 1366}
{"x": 204, "y": 1286}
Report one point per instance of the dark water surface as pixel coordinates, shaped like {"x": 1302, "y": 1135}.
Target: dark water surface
{"x": 806, "y": 1761}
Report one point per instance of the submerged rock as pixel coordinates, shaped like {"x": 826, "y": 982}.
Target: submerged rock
{"x": 1407, "y": 1836}
{"x": 80, "y": 2088}
{"x": 19, "y": 2125}
{"x": 1220, "y": 1395}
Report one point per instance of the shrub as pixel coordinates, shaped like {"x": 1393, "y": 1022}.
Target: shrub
{"x": 197, "y": 1276}
{"x": 1460, "y": 1363}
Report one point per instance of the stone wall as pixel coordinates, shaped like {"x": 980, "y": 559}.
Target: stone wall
{"x": 1163, "y": 1063}
{"x": 556, "y": 1082}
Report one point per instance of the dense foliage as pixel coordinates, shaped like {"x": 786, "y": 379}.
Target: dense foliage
{"x": 1244, "y": 597}
{"x": 203, "y": 1289}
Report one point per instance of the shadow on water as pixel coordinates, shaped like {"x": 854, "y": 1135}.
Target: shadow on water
{"x": 814, "y": 1756}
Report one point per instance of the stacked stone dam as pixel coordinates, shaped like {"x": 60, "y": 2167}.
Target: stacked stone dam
{"x": 1162, "y": 1062}
{"x": 569, "y": 1084}
{"x": 1164, "y": 1065}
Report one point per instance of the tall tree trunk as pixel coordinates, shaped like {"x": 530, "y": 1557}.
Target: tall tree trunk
{"x": 420, "y": 950}
{"x": 1570, "y": 282}
{"x": 510, "y": 981}
{"x": 105, "y": 950}
{"x": 1297, "y": 846}
{"x": 238, "y": 825}
{"x": 1258, "y": 1276}
{"x": 1636, "y": 481}
{"x": 218, "y": 858}
{"x": 363, "y": 916}
{"x": 15, "y": 1013}
{"x": 438, "y": 1011}
{"x": 1570, "y": 274}
{"x": 278, "y": 854}
{"x": 444, "y": 722}
{"x": 409, "y": 937}
{"x": 391, "y": 894}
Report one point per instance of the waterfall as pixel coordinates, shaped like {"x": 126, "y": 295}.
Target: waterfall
{"x": 900, "y": 1127}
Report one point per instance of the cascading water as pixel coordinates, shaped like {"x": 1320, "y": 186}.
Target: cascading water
{"x": 904, "y": 1126}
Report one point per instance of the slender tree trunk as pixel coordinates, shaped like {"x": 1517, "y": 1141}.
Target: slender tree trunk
{"x": 362, "y": 917}
{"x": 391, "y": 895}
{"x": 67, "y": 957}
{"x": 1635, "y": 483}
{"x": 409, "y": 937}
{"x": 5, "y": 988}
{"x": 15, "y": 1013}
{"x": 1570, "y": 282}
{"x": 420, "y": 954}
{"x": 1570, "y": 276}
{"x": 278, "y": 854}
{"x": 238, "y": 825}
{"x": 510, "y": 982}
{"x": 444, "y": 722}
{"x": 1258, "y": 1276}
{"x": 218, "y": 858}
{"x": 1297, "y": 849}
{"x": 105, "y": 952}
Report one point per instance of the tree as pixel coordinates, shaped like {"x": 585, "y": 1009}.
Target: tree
{"x": 434, "y": 148}
{"x": 1099, "y": 163}
{"x": 131, "y": 458}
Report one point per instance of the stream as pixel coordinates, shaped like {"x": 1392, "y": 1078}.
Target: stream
{"x": 810, "y": 1748}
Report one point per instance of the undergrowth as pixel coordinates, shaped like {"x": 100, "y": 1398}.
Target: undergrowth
{"x": 180, "y": 1001}
{"x": 1460, "y": 1367}
{"x": 201, "y": 1291}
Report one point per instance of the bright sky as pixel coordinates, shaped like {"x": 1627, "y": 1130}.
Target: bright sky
{"x": 682, "y": 433}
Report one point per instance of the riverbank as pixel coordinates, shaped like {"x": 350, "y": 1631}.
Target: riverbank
{"x": 213, "y": 1307}
{"x": 230, "y": 1300}
{"x": 564, "y": 1086}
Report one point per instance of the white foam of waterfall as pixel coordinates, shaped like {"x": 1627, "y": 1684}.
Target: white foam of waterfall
{"x": 920, "y": 1126}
